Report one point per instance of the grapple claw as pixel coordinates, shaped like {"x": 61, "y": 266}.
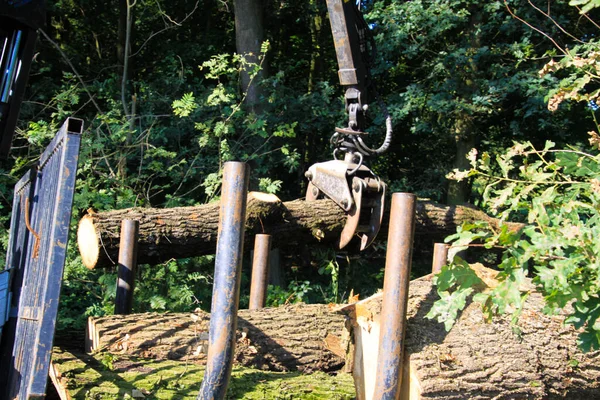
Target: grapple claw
{"x": 355, "y": 189}
{"x": 375, "y": 220}
{"x": 353, "y": 216}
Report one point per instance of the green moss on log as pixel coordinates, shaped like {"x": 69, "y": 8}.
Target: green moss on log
{"x": 105, "y": 376}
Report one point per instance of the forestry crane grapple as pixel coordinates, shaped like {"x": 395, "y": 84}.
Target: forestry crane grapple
{"x": 346, "y": 179}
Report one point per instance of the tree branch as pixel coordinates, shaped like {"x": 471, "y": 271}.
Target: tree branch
{"x": 515, "y": 16}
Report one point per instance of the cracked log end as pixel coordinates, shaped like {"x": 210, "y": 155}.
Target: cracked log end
{"x": 88, "y": 241}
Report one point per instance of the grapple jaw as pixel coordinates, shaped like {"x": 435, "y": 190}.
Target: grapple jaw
{"x": 357, "y": 190}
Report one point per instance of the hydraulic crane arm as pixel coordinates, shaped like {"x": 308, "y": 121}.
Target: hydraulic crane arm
{"x": 348, "y": 181}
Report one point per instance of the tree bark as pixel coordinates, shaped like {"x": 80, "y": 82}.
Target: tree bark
{"x": 192, "y": 231}
{"x": 459, "y": 192}
{"x": 249, "y": 35}
{"x": 316, "y": 59}
{"x": 536, "y": 359}
{"x": 290, "y": 338}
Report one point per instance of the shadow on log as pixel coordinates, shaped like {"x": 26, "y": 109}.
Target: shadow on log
{"x": 536, "y": 359}
{"x": 192, "y": 231}
{"x": 303, "y": 338}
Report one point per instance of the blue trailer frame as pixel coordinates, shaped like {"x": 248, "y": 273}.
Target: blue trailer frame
{"x": 30, "y": 285}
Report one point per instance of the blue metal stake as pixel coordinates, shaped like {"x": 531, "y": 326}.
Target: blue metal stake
{"x": 226, "y": 288}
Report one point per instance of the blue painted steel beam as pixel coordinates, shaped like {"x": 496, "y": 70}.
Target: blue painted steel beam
{"x": 36, "y": 255}
{"x": 4, "y": 298}
{"x": 226, "y": 288}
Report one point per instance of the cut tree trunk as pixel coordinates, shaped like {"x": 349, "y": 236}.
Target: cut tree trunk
{"x": 536, "y": 359}
{"x": 292, "y": 338}
{"x": 192, "y": 231}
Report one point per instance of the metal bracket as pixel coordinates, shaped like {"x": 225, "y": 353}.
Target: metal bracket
{"x": 356, "y": 190}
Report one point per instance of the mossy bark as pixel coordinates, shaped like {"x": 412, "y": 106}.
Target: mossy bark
{"x": 108, "y": 376}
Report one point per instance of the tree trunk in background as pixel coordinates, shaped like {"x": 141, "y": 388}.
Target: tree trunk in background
{"x": 459, "y": 192}
{"x": 121, "y": 31}
{"x": 316, "y": 28}
{"x": 465, "y": 129}
{"x": 125, "y": 40}
{"x": 249, "y": 35}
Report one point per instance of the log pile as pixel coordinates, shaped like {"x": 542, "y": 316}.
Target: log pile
{"x": 537, "y": 359}
{"x": 192, "y": 231}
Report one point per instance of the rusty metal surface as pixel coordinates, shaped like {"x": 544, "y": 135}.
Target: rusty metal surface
{"x": 312, "y": 192}
{"x": 376, "y": 209}
{"x": 35, "y": 259}
{"x": 128, "y": 249}
{"x": 395, "y": 297}
{"x": 356, "y": 189}
{"x": 347, "y": 42}
{"x": 440, "y": 257}
{"x": 226, "y": 289}
{"x": 260, "y": 271}
{"x": 353, "y": 215}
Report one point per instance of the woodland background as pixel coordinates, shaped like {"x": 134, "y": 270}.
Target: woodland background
{"x": 168, "y": 95}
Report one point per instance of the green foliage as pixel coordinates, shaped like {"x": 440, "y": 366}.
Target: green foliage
{"x": 586, "y": 5}
{"x": 441, "y": 64}
{"x": 184, "y": 106}
{"x": 297, "y": 292}
{"x": 455, "y": 283}
{"x": 557, "y": 194}
{"x": 580, "y": 71}
{"x": 329, "y": 266}
{"x": 268, "y": 185}
{"x": 461, "y": 70}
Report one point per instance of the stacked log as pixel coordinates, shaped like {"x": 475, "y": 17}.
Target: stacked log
{"x": 291, "y": 338}
{"x": 192, "y": 231}
{"x": 536, "y": 359}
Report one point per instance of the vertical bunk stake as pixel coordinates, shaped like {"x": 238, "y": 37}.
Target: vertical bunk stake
{"x": 440, "y": 257}
{"x": 127, "y": 265}
{"x": 260, "y": 271}
{"x": 226, "y": 287}
{"x": 388, "y": 379}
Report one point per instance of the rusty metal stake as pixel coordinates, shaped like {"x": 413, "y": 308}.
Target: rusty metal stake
{"x": 226, "y": 288}
{"x": 440, "y": 257}
{"x": 127, "y": 264}
{"x": 260, "y": 271}
{"x": 388, "y": 379}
